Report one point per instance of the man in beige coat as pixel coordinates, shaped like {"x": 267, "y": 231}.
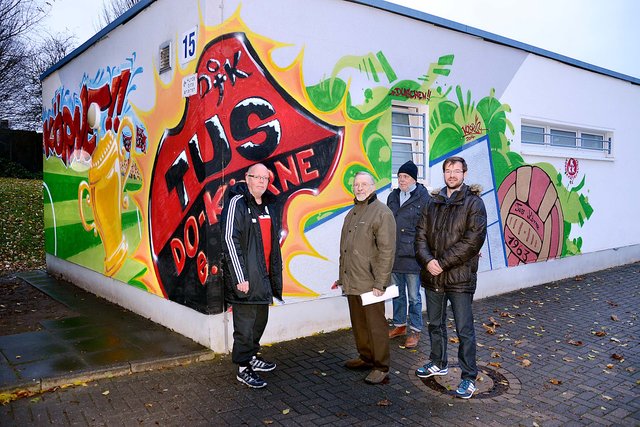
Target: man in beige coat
{"x": 367, "y": 250}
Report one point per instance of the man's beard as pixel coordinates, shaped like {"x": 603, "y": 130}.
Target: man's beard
{"x": 456, "y": 187}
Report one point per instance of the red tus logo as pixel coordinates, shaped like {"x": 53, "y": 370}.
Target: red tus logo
{"x": 240, "y": 116}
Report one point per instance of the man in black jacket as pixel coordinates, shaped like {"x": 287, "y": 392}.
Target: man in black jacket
{"x": 406, "y": 202}
{"x": 253, "y": 268}
{"x": 449, "y": 236}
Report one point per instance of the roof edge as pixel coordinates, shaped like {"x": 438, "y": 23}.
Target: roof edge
{"x": 385, "y": 6}
{"x": 491, "y": 37}
{"x": 122, "y": 19}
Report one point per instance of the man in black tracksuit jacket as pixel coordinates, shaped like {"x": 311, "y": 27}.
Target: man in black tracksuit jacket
{"x": 253, "y": 268}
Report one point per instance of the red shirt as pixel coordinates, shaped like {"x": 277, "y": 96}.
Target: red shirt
{"x": 265, "y": 229}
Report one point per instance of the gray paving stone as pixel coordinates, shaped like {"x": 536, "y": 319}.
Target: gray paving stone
{"x": 547, "y": 317}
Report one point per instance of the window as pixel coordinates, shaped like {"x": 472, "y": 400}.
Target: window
{"x": 532, "y": 135}
{"x": 408, "y": 135}
{"x": 592, "y": 142}
{"x": 563, "y": 138}
{"x": 553, "y": 137}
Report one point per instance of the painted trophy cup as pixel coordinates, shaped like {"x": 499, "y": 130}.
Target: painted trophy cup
{"x": 105, "y": 191}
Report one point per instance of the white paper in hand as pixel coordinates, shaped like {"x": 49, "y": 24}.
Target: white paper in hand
{"x": 390, "y": 292}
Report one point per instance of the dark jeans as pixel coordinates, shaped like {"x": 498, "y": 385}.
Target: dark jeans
{"x": 463, "y": 318}
{"x": 408, "y": 287}
{"x": 249, "y": 321}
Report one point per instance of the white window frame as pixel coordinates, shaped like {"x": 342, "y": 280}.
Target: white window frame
{"x": 417, "y": 141}
{"x": 547, "y": 147}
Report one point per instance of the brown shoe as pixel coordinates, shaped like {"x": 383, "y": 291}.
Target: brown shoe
{"x": 377, "y": 377}
{"x": 397, "y": 331}
{"x": 357, "y": 364}
{"x": 412, "y": 340}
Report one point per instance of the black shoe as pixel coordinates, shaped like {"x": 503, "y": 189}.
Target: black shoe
{"x": 261, "y": 365}
{"x": 250, "y": 378}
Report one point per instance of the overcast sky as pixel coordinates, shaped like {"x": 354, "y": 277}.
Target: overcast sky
{"x": 605, "y": 33}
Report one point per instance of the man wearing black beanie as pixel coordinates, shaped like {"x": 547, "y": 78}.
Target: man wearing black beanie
{"x": 406, "y": 203}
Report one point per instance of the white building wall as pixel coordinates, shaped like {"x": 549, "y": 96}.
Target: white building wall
{"x": 326, "y": 32}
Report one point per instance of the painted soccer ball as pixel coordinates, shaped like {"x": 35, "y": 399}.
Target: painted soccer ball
{"x": 532, "y": 216}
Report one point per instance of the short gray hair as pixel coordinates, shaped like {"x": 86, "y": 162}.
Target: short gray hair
{"x": 371, "y": 178}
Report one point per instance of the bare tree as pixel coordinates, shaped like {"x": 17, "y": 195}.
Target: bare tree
{"x": 111, "y": 9}
{"x": 17, "y": 18}
{"x": 50, "y": 50}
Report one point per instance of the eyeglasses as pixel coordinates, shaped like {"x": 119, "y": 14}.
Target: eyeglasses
{"x": 259, "y": 178}
{"x": 453, "y": 172}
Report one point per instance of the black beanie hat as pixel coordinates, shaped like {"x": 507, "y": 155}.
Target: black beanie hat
{"x": 410, "y": 169}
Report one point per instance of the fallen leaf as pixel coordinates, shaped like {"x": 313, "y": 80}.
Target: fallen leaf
{"x": 567, "y": 359}
{"x": 454, "y": 340}
{"x": 612, "y": 304}
{"x": 610, "y": 366}
{"x": 495, "y": 364}
{"x": 320, "y": 351}
{"x": 268, "y": 422}
{"x": 493, "y": 322}
{"x": 614, "y": 318}
{"x": 490, "y": 330}
{"x": 384, "y": 402}
{"x": 148, "y": 405}
{"x": 285, "y": 411}
{"x": 507, "y": 314}
{"x": 526, "y": 363}
{"x": 574, "y": 342}
{"x": 495, "y": 354}
{"x": 605, "y": 397}
{"x": 616, "y": 356}
{"x": 35, "y": 400}
{"x": 105, "y": 392}
{"x": 614, "y": 339}
{"x": 578, "y": 278}
{"x": 600, "y": 333}
{"x": 555, "y": 381}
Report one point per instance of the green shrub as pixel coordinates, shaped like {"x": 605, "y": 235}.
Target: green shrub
{"x": 9, "y": 169}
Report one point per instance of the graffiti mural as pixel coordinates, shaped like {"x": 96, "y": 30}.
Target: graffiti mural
{"x": 90, "y": 171}
{"x": 137, "y": 196}
{"x": 240, "y": 116}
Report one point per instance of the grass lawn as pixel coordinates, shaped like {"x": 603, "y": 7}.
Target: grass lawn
{"x": 22, "y": 225}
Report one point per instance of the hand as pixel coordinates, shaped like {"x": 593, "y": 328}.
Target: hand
{"x": 434, "y": 267}
{"x": 377, "y": 292}
{"x": 243, "y": 286}
{"x": 335, "y": 285}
